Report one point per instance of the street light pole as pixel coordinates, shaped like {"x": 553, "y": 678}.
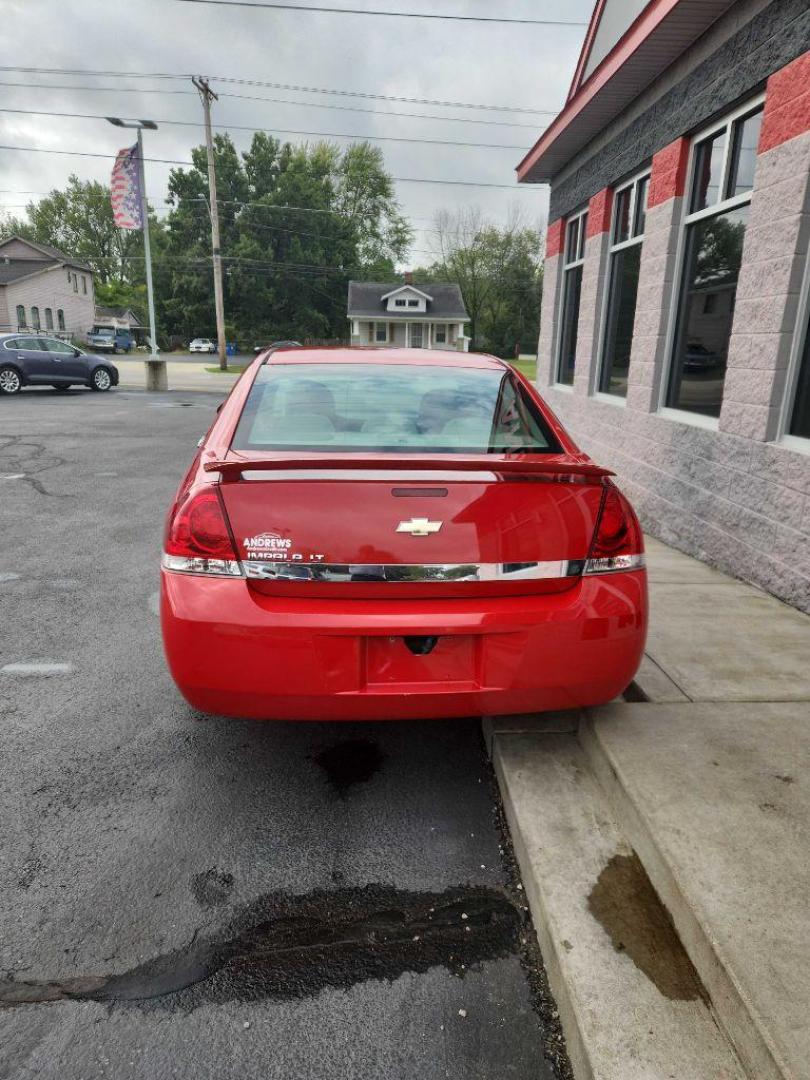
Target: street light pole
{"x": 156, "y": 375}
{"x": 207, "y": 94}
{"x": 147, "y": 250}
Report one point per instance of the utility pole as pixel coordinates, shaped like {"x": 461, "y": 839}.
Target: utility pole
{"x": 207, "y": 95}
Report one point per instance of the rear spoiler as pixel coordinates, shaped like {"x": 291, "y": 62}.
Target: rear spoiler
{"x": 231, "y": 469}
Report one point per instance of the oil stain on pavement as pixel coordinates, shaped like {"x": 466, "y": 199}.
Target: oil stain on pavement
{"x": 349, "y": 762}
{"x": 288, "y": 947}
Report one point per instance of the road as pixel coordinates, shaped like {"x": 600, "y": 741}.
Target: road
{"x": 186, "y": 896}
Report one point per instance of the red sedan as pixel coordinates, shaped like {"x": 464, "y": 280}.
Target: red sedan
{"x": 382, "y": 534}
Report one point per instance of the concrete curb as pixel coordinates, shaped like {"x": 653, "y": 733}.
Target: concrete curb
{"x": 736, "y": 1014}
{"x": 619, "y": 1023}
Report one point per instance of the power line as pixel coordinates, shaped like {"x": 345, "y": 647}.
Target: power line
{"x": 282, "y": 131}
{"x": 374, "y": 97}
{"x": 390, "y": 14}
{"x": 286, "y": 101}
{"x": 176, "y": 161}
{"x": 275, "y": 86}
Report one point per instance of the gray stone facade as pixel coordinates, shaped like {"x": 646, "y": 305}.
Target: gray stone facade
{"x": 731, "y": 61}
{"x": 733, "y": 491}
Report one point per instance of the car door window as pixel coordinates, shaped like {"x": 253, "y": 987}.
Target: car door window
{"x": 12, "y": 343}
{"x": 61, "y": 347}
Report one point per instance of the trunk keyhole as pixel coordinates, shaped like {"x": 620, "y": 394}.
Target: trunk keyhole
{"x": 421, "y": 646}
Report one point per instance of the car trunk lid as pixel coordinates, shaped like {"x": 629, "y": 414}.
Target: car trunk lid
{"x": 426, "y": 526}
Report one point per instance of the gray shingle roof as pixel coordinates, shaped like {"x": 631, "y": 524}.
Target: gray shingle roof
{"x": 365, "y": 300}
{"x": 20, "y": 268}
{"x": 52, "y": 252}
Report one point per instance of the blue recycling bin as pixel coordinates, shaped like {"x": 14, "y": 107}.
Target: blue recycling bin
{"x": 230, "y": 348}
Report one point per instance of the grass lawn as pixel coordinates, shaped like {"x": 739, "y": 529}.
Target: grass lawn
{"x": 526, "y": 365}
{"x": 233, "y": 369}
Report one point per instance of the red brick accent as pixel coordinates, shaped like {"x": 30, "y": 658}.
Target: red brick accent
{"x": 599, "y": 210}
{"x": 668, "y": 176}
{"x": 555, "y": 237}
{"x": 787, "y": 104}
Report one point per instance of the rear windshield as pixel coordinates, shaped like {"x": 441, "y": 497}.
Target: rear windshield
{"x": 390, "y": 408}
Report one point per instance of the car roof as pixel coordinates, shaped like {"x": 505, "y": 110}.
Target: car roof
{"x": 303, "y": 354}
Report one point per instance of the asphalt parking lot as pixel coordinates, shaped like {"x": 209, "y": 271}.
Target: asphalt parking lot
{"x": 186, "y": 896}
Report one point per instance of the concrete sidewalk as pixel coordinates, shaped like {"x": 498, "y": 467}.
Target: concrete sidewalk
{"x": 665, "y": 842}
{"x": 183, "y": 375}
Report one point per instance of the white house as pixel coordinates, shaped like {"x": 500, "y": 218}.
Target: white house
{"x": 407, "y": 315}
{"x": 41, "y": 288}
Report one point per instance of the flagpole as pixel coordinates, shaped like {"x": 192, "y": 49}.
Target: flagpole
{"x": 156, "y": 373}
{"x": 147, "y": 250}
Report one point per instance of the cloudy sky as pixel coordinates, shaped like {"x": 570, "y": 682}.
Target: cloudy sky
{"x": 524, "y": 67}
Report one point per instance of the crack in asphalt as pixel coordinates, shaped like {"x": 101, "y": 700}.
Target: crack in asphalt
{"x": 24, "y": 458}
{"x": 288, "y": 947}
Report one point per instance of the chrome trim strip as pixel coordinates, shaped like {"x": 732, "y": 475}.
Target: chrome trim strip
{"x": 290, "y": 570}
{"x": 394, "y": 476}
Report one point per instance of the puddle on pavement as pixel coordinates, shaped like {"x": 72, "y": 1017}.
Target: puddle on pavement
{"x": 627, "y": 907}
{"x": 287, "y": 947}
{"x": 350, "y": 762}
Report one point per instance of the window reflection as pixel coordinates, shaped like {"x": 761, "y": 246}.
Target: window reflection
{"x": 624, "y": 272}
{"x": 744, "y": 154}
{"x": 708, "y": 168}
{"x": 712, "y": 266}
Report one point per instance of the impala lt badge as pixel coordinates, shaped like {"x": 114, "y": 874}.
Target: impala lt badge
{"x": 419, "y": 527}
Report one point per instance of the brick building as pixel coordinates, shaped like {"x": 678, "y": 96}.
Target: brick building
{"x": 674, "y": 340}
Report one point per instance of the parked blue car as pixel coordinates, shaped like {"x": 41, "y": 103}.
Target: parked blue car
{"x": 106, "y": 339}
{"x": 38, "y": 360}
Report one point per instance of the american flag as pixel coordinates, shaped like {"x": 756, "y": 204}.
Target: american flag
{"x": 126, "y": 190}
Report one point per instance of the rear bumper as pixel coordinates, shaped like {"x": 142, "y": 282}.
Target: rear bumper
{"x": 238, "y": 653}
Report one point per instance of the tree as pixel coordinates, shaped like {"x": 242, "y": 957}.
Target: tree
{"x": 79, "y": 221}
{"x": 500, "y": 275}
{"x": 296, "y": 223}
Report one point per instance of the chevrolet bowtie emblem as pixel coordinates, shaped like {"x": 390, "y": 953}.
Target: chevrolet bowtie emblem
{"x": 419, "y": 527}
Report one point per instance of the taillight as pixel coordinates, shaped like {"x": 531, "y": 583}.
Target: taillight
{"x": 618, "y": 543}
{"x": 197, "y": 539}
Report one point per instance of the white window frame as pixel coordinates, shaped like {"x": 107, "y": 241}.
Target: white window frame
{"x": 380, "y": 341}
{"x": 801, "y": 333}
{"x": 440, "y": 328}
{"x": 633, "y": 183}
{"x": 578, "y": 215}
{"x": 686, "y": 218}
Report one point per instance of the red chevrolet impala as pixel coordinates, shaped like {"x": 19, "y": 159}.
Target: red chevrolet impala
{"x": 383, "y": 533}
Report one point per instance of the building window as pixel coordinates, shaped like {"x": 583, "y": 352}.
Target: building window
{"x": 400, "y": 303}
{"x": 76, "y": 283}
{"x": 799, "y": 424}
{"x": 573, "y": 259}
{"x": 381, "y": 332}
{"x": 69, "y": 276}
{"x": 35, "y": 318}
{"x": 441, "y": 335}
{"x": 60, "y": 319}
{"x": 20, "y": 317}
{"x": 48, "y": 319}
{"x": 627, "y": 235}
{"x": 722, "y": 178}
{"x": 84, "y": 285}
{"x": 413, "y": 303}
